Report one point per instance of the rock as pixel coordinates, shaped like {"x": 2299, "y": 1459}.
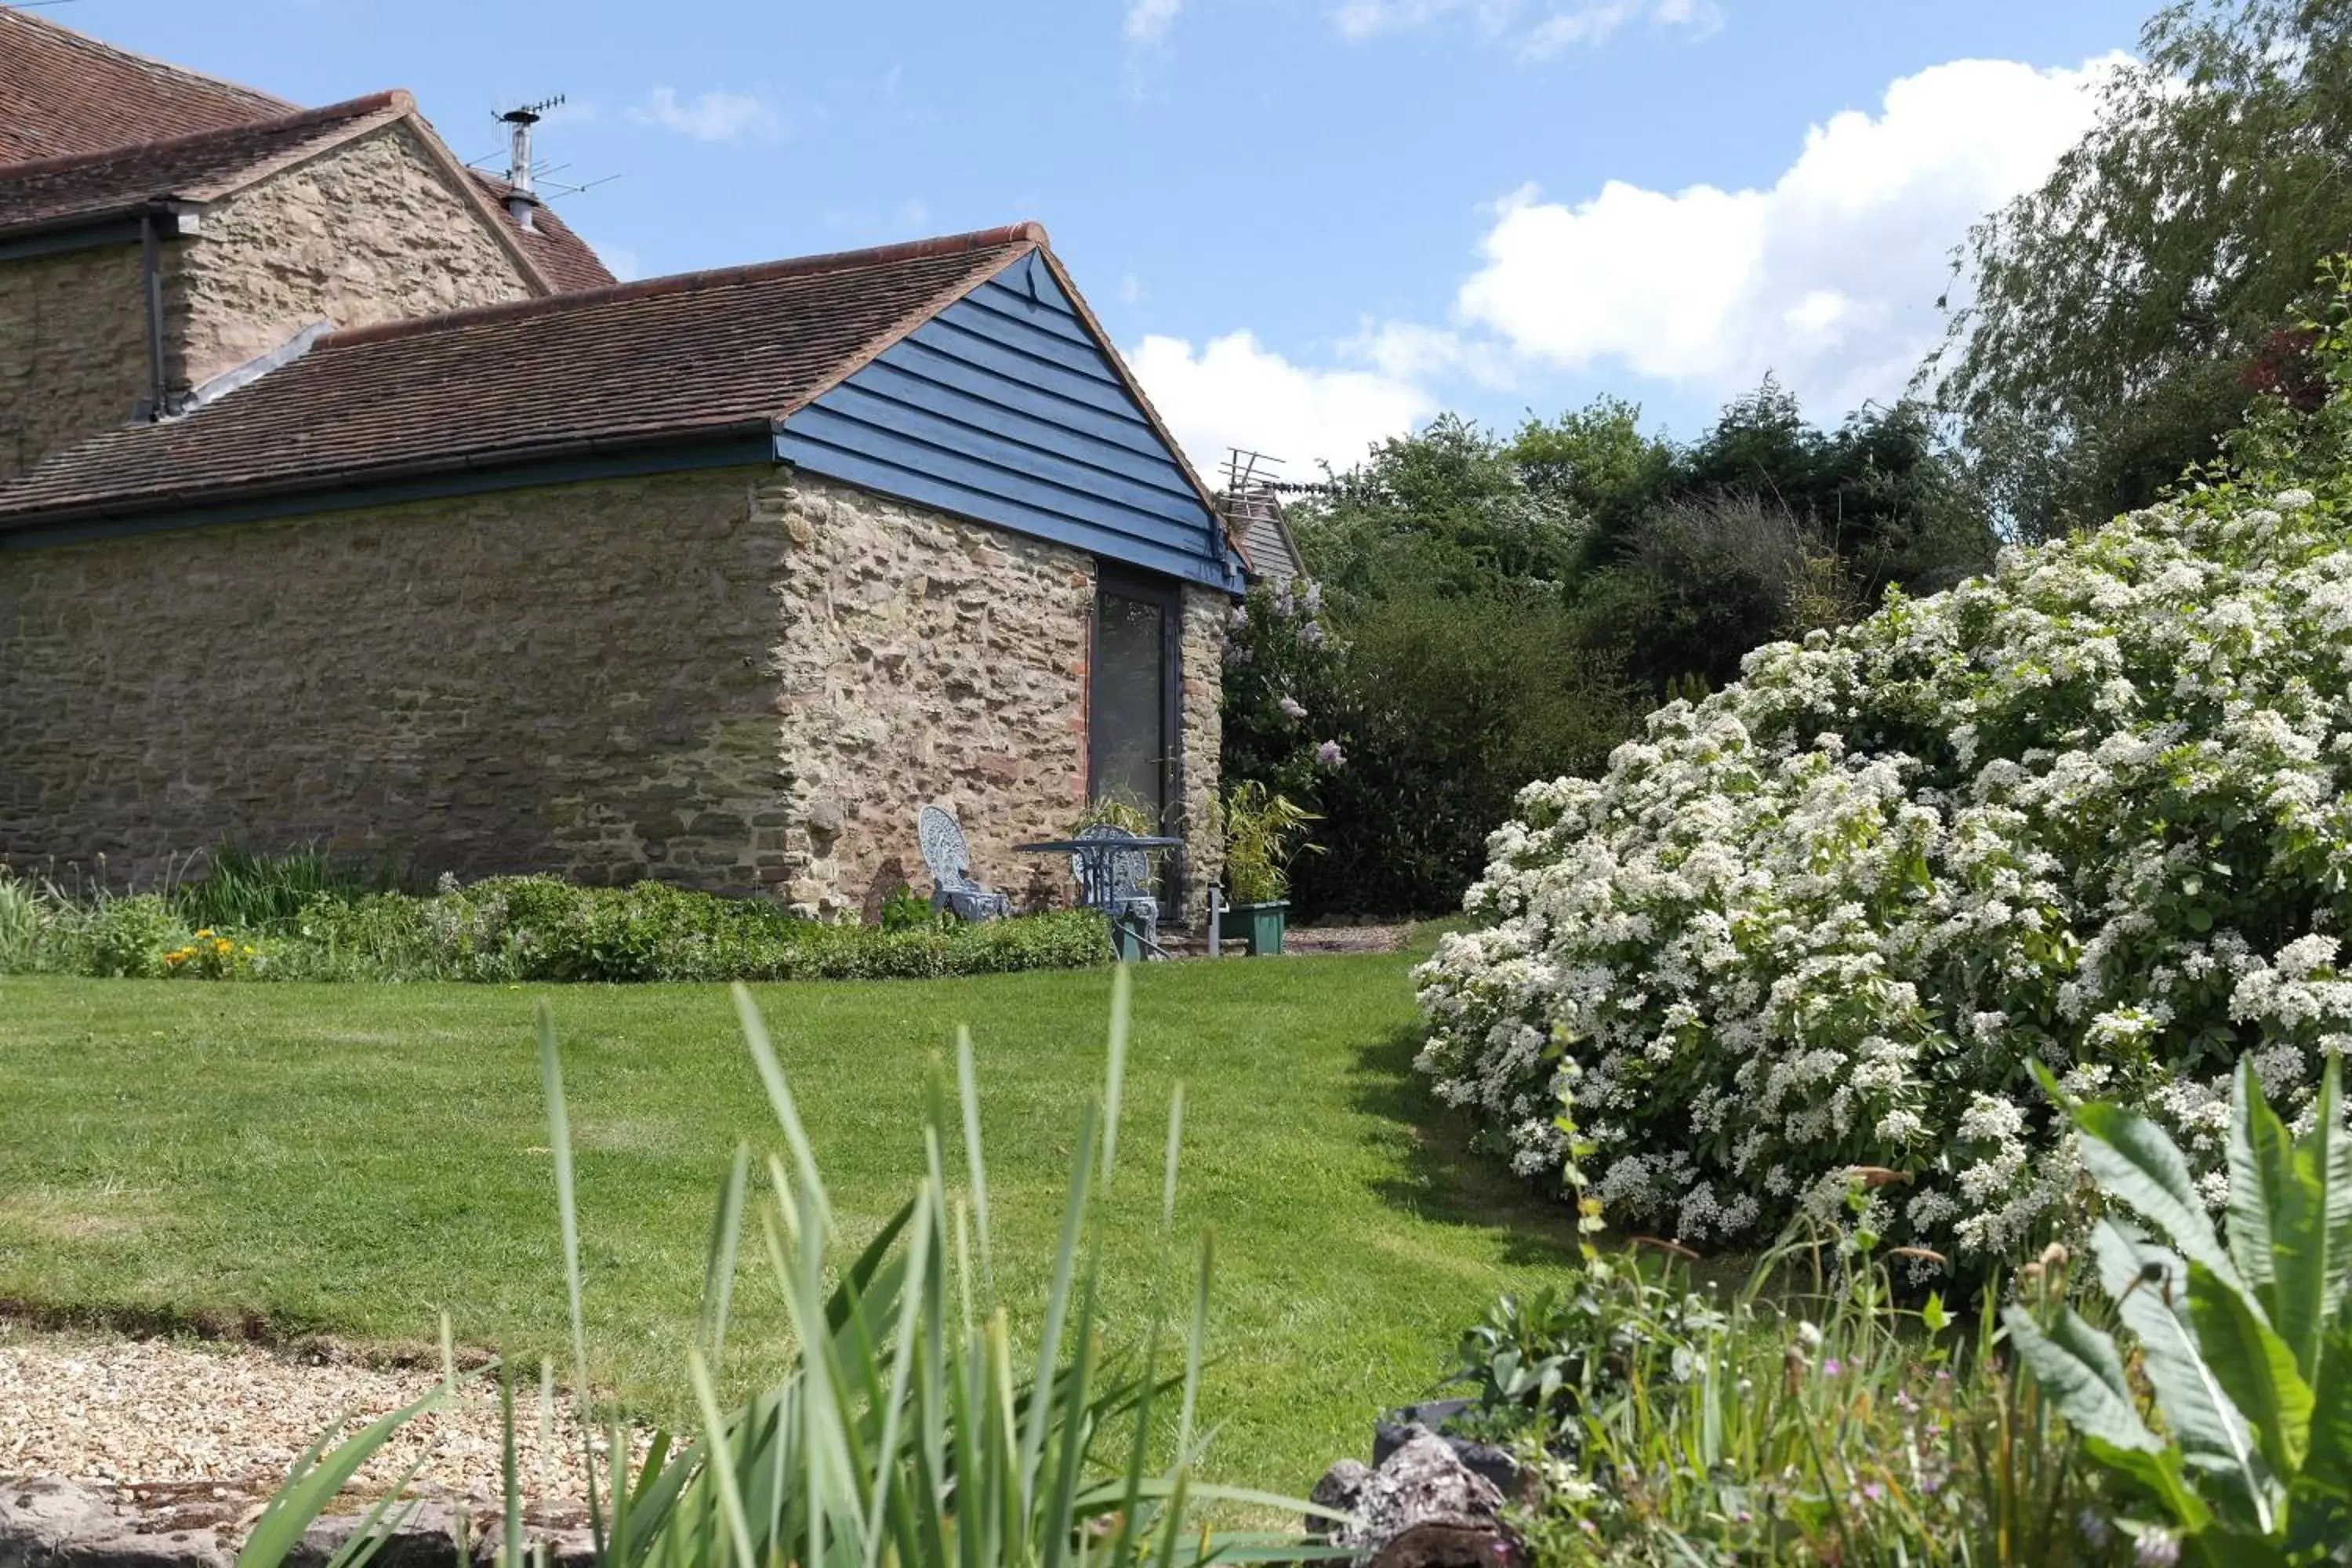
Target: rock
{"x": 55, "y": 1524}
{"x": 565, "y": 1548}
{"x": 1437, "y": 1544}
{"x": 1341, "y": 1485}
{"x": 432, "y": 1537}
{"x": 1425, "y": 1501}
{"x": 1496, "y": 1464}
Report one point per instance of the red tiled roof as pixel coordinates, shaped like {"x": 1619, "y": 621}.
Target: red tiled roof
{"x": 700, "y": 353}
{"x": 62, "y": 93}
{"x": 84, "y": 186}
{"x": 561, "y": 254}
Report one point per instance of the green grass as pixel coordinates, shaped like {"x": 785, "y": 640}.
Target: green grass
{"x": 353, "y": 1159}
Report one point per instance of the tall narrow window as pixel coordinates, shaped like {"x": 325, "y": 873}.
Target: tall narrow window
{"x": 1131, "y": 737}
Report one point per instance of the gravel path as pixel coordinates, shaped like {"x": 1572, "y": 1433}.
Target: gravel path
{"x": 197, "y": 1433}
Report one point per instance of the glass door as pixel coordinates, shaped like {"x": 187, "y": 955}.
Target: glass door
{"x": 1131, "y": 724}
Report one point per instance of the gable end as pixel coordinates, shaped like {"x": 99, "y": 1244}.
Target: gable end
{"x": 1007, "y": 408}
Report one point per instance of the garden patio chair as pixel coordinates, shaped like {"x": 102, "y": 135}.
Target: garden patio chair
{"x": 949, "y": 858}
{"x": 1120, "y": 885}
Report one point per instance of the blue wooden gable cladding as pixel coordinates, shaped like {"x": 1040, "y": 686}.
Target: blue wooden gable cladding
{"x": 1005, "y": 408}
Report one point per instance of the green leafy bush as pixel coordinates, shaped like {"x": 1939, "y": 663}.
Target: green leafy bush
{"x": 2248, "y": 1348}
{"x": 512, "y": 929}
{"x": 122, "y": 935}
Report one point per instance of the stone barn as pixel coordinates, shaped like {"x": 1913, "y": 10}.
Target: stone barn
{"x": 345, "y": 499}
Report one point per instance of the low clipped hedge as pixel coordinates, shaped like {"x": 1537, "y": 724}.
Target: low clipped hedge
{"x": 512, "y": 929}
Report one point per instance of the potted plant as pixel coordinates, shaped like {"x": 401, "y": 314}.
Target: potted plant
{"x": 1263, "y": 831}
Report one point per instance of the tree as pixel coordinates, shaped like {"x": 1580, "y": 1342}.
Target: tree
{"x": 2107, "y": 329}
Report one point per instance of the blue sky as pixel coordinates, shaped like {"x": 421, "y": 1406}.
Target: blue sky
{"x": 1307, "y": 222}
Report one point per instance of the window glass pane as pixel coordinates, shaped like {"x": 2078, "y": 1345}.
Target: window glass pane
{"x": 1129, "y": 703}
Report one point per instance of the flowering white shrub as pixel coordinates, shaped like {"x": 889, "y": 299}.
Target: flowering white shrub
{"x": 2094, "y": 809}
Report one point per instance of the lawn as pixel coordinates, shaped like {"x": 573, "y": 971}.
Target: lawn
{"x": 355, "y": 1160}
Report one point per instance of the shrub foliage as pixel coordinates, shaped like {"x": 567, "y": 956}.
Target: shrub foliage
{"x": 510, "y": 929}
{"x": 2094, "y": 808}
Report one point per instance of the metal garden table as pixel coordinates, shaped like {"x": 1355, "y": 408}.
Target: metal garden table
{"x": 1099, "y": 882}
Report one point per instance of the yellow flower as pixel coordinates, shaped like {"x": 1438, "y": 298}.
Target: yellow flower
{"x": 248, "y": 951}
{"x": 206, "y": 933}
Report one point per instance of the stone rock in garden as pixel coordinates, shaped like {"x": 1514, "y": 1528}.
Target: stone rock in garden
{"x": 565, "y": 1548}
{"x": 1437, "y": 1544}
{"x": 52, "y": 1523}
{"x": 1339, "y": 1489}
{"x": 1423, "y": 1507}
{"x": 432, "y": 1537}
{"x": 1399, "y": 1427}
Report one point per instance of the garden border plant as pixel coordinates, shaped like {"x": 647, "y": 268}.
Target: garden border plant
{"x": 504, "y": 929}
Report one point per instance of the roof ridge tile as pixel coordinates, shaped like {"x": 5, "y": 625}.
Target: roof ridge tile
{"x": 1030, "y": 233}
{"x": 396, "y": 98}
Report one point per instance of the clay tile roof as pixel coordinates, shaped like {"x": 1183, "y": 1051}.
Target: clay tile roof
{"x": 61, "y": 93}
{"x": 561, "y": 254}
{"x": 701, "y": 353}
{"x": 88, "y": 185}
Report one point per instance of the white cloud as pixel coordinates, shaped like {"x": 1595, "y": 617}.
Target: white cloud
{"x": 1235, "y": 392}
{"x": 715, "y": 116}
{"x": 1588, "y": 22}
{"x": 1827, "y": 277}
{"x": 1410, "y": 353}
{"x": 1148, "y": 21}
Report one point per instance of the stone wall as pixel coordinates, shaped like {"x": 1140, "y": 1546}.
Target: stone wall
{"x": 73, "y": 349}
{"x": 568, "y": 680}
{"x": 924, "y": 658}
{"x": 738, "y": 680}
{"x": 368, "y": 232}
{"x": 1202, "y": 744}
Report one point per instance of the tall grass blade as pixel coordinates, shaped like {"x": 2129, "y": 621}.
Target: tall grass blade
{"x": 968, "y": 1092}
{"x": 1122, "y": 992}
{"x": 1057, "y": 1298}
{"x": 788, "y": 1115}
{"x": 726, "y": 1237}
{"x": 1175, "y": 1149}
{"x": 721, "y": 1468}
{"x": 1196, "y": 1335}
{"x": 567, "y": 1208}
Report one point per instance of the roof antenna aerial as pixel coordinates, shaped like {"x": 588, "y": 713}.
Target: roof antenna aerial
{"x": 522, "y": 198}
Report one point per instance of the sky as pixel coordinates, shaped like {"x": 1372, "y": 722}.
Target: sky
{"x": 1308, "y": 224}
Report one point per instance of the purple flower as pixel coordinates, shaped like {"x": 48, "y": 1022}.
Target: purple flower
{"x": 1311, "y": 634}
{"x": 1293, "y": 707}
{"x": 1873, "y": 1491}
{"x": 1831, "y": 1367}
{"x": 1329, "y": 754}
{"x": 2157, "y": 1549}
{"x": 1313, "y": 598}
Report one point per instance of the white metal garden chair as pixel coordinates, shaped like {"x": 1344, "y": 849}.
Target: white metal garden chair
{"x": 950, "y": 859}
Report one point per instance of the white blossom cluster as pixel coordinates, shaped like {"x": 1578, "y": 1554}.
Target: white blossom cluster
{"x": 2094, "y": 809}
